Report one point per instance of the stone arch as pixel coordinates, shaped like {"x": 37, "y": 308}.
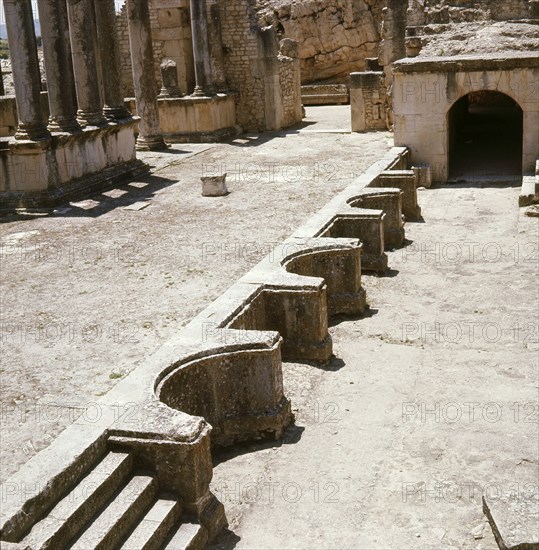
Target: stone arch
{"x": 485, "y": 132}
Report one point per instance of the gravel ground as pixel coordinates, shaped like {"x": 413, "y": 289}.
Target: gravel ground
{"x": 89, "y": 290}
{"x": 430, "y": 403}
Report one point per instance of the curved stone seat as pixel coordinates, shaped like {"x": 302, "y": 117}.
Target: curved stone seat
{"x": 406, "y": 180}
{"x": 390, "y": 201}
{"x": 239, "y": 393}
{"x": 368, "y": 227}
{"x": 340, "y": 267}
{"x": 224, "y": 369}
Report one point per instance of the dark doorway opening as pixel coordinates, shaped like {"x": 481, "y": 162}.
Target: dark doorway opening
{"x": 485, "y": 137}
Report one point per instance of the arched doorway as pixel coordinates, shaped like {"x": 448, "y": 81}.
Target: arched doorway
{"x": 485, "y": 137}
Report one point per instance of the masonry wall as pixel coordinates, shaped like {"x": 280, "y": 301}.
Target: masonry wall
{"x": 422, "y": 101}
{"x": 268, "y": 82}
{"x": 243, "y": 68}
{"x": 171, "y": 34}
{"x": 290, "y": 84}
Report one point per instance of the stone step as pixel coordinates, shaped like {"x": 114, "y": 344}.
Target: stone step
{"x": 89, "y": 496}
{"x": 108, "y": 529}
{"x": 155, "y": 526}
{"x": 189, "y": 536}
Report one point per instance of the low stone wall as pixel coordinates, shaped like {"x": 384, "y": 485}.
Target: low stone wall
{"x": 325, "y": 94}
{"x": 44, "y": 173}
{"x": 196, "y": 119}
{"x": 224, "y": 367}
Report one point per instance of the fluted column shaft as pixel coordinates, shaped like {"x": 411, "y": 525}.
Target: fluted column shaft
{"x": 58, "y": 66}
{"x": 25, "y": 68}
{"x": 142, "y": 60}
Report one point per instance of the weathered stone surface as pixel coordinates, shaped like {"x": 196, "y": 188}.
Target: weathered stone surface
{"x": 425, "y": 89}
{"x": 26, "y": 74}
{"x": 214, "y": 186}
{"x": 169, "y": 77}
{"x": 334, "y": 38}
{"x": 514, "y": 519}
{"x": 142, "y": 58}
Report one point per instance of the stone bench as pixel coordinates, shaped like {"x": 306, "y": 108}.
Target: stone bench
{"x": 367, "y": 226}
{"x": 406, "y": 181}
{"x": 152, "y": 431}
{"x": 390, "y": 201}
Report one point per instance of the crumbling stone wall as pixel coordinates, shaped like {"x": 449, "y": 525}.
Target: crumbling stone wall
{"x": 268, "y": 83}
{"x": 334, "y": 37}
{"x": 244, "y": 70}
{"x": 290, "y": 83}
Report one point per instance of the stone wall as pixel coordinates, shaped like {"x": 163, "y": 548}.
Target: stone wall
{"x": 171, "y": 34}
{"x": 334, "y": 37}
{"x": 244, "y": 70}
{"x": 425, "y": 91}
{"x": 290, "y": 84}
{"x": 368, "y": 101}
{"x": 269, "y": 83}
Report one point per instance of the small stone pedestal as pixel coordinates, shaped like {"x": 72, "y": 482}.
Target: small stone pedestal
{"x": 423, "y": 174}
{"x": 214, "y": 186}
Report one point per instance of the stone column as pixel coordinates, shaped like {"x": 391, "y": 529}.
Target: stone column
{"x": 392, "y": 46}
{"x": 25, "y": 67}
{"x": 215, "y": 42}
{"x": 114, "y": 108}
{"x": 58, "y": 66}
{"x": 201, "y": 49}
{"x": 2, "y": 91}
{"x": 140, "y": 38}
{"x": 85, "y": 65}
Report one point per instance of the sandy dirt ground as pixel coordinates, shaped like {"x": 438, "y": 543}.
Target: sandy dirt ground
{"x": 430, "y": 403}
{"x": 89, "y": 290}
{"x": 431, "y": 400}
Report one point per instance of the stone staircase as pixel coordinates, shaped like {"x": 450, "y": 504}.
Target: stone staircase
{"x": 116, "y": 506}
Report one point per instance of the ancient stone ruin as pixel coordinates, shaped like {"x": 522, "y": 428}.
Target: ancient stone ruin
{"x": 108, "y": 99}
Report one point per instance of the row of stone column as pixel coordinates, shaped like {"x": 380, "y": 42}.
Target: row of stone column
{"x": 82, "y": 65}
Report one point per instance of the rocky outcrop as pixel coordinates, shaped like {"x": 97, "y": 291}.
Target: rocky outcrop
{"x": 334, "y": 37}
{"x": 421, "y": 12}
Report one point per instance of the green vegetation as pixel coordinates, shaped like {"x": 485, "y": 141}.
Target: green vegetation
{"x": 4, "y": 50}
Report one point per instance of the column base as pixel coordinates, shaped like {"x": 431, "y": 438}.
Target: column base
{"x": 69, "y": 125}
{"x": 96, "y": 119}
{"x": 151, "y": 143}
{"x": 112, "y": 114}
{"x": 32, "y": 132}
{"x": 199, "y": 92}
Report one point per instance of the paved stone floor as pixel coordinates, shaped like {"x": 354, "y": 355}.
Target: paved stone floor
{"x": 431, "y": 402}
